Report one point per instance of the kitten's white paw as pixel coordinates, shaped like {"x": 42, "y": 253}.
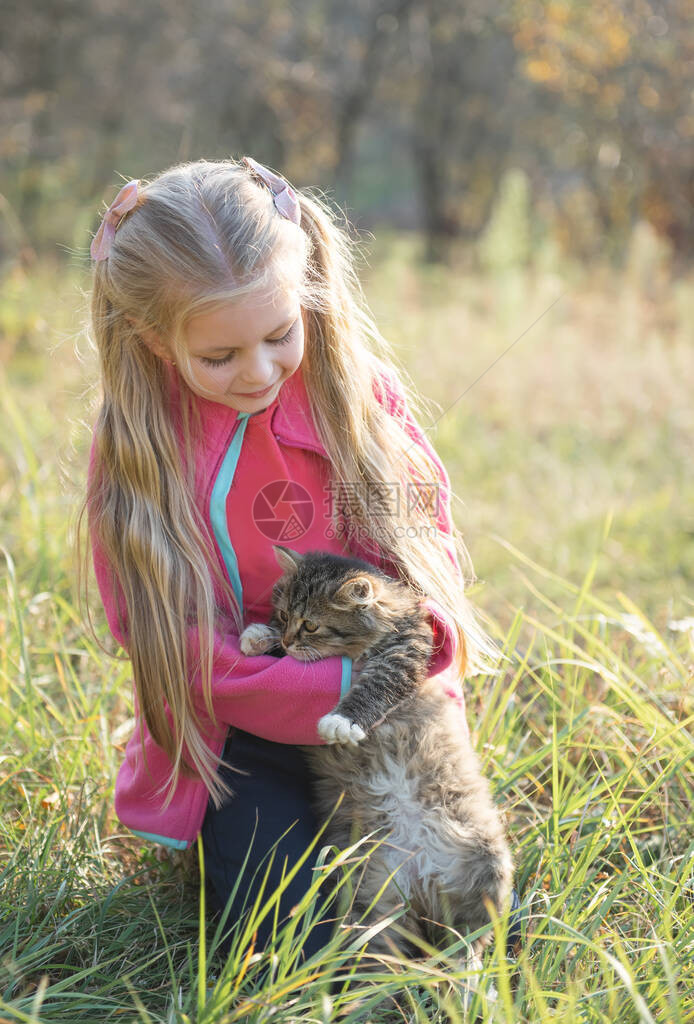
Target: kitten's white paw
{"x": 472, "y": 982}
{"x": 338, "y": 729}
{"x": 468, "y": 994}
{"x": 257, "y": 639}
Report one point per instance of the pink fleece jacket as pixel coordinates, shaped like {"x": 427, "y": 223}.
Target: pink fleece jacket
{"x": 279, "y": 699}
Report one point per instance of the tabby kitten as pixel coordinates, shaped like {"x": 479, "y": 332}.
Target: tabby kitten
{"x": 396, "y": 746}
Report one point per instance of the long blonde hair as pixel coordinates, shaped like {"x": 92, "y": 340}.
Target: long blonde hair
{"x": 203, "y": 233}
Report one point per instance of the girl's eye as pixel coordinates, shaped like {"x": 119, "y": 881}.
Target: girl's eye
{"x": 285, "y": 337}
{"x": 227, "y": 359}
{"x": 217, "y": 362}
{"x": 309, "y": 626}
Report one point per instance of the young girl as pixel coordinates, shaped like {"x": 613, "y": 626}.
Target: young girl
{"x": 248, "y": 399}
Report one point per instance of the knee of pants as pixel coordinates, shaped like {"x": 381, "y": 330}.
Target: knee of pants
{"x": 221, "y": 880}
{"x": 271, "y": 807}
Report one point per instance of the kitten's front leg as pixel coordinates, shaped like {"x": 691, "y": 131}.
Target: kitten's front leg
{"x": 378, "y": 689}
{"x": 260, "y": 639}
{"x": 358, "y": 712}
{"x": 337, "y": 727}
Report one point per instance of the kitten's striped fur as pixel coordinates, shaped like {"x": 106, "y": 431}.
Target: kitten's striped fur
{"x": 396, "y": 747}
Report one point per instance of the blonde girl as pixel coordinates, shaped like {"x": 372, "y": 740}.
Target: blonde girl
{"x": 248, "y": 399}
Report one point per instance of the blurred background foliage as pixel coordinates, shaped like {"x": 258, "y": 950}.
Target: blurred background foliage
{"x": 424, "y": 114}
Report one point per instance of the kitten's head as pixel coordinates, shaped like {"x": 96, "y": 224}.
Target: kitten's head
{"x": 329, "y": 604}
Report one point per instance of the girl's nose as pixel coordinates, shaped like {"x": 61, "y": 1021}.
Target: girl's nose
{"x": 258, "y": 370}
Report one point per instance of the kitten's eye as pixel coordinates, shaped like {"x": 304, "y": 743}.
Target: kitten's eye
{"x": 283, "y": 617}
{"x": 309, "y": 626}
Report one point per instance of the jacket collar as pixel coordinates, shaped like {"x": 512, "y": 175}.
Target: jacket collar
{"x": 292, "y": 419}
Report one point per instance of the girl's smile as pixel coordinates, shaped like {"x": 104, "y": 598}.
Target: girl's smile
{"x": 257, "y": 394}
{"x": 243, "y": 352}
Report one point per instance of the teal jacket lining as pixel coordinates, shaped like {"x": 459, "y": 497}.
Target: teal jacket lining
{"x": 218, "y": 517}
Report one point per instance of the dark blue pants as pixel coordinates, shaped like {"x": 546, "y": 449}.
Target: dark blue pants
{"x": 274, "y": 796}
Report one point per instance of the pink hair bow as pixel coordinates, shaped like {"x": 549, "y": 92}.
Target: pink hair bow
{"x": 125, "y": 201}
{"x": 283, "y": 194}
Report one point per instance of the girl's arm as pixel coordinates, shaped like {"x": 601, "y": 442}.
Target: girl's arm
{"x": 279, "y": 699}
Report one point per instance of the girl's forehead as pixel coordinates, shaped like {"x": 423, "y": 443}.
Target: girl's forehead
{"x": 247, "y": 320}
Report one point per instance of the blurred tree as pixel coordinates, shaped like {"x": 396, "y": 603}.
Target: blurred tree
{"x": 458, "y": 113}
{"x": 614, "y": 112}
{"x": 360, "y": 50}
{"x": 594, "y": 102}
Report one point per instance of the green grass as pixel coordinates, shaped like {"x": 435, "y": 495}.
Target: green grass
{"x": 572, "y": 461}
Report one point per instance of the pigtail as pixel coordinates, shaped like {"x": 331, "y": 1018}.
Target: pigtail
{"x": 142, "y": 516}
{"x": 369, "y": 436}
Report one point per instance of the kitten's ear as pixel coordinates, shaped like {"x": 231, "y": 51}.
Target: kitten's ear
{"x": 287, "y": 559}
{"x": 359, "y": 590}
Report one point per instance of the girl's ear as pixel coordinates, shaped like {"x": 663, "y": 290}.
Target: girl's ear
{"x": 287, "y": 559}
{"x": 359, "y": 590}
{"x": 151, "y": 340}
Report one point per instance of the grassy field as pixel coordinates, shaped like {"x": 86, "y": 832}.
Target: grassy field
{"x": 571, "y": 458}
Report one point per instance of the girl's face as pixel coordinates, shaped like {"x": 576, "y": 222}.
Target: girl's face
{"x": 243, "y": 352}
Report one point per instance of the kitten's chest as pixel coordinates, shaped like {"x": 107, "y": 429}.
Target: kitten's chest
{"x": 386, "y": 791}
